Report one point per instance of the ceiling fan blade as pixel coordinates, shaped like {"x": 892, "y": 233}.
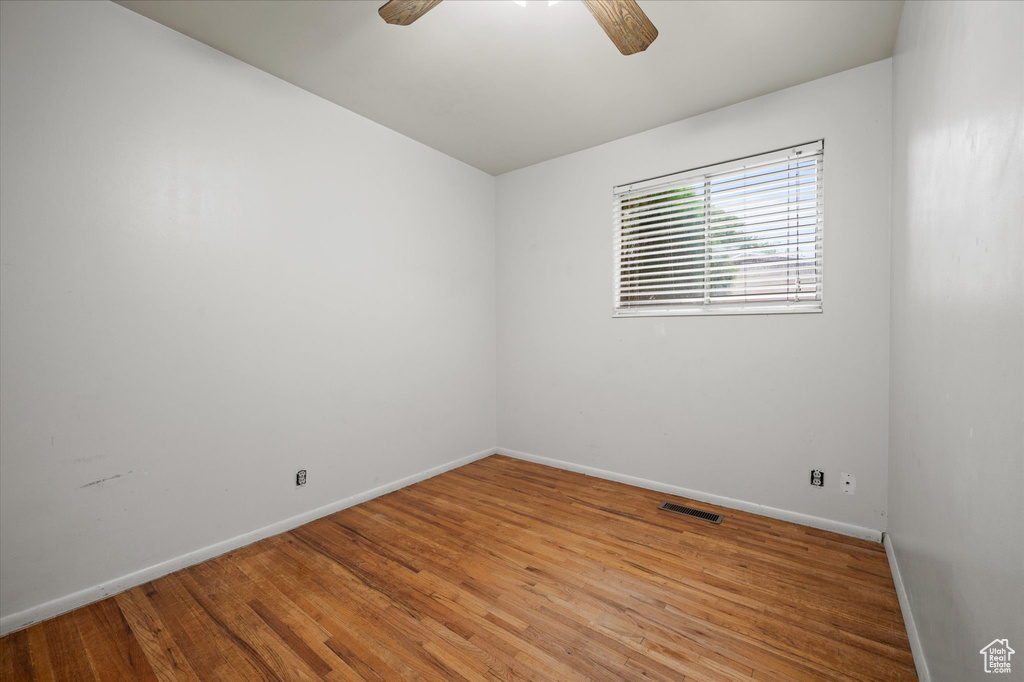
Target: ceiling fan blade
{"x": 404, "y": 12}
{"x": 624, "y": 22}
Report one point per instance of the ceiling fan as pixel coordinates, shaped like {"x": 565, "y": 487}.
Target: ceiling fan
{"x": 623, "y": 20}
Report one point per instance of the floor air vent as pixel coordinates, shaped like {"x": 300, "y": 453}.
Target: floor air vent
{"x": 690, "y": 511}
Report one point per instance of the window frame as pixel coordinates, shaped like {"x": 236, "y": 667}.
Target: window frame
{"x": 701, "y": 173}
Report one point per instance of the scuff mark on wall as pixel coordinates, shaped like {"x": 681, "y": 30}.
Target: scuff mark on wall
{"x": 103, "y": 480}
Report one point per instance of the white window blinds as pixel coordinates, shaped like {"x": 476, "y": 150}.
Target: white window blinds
{"x": 739, "y": 237}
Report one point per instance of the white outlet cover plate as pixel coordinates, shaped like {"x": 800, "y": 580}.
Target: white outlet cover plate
{"x": 847, "y": 483}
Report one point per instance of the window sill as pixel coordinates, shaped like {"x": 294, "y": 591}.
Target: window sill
{"x": 699, "y": 311}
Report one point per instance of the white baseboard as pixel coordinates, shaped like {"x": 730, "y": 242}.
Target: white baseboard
{"x": 55, "y": 607}
{"x": 908, "y": 617}
{"x": 742, "y": 505}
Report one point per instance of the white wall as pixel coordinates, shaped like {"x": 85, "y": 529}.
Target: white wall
{"x": 740, "y": 406}
{"x": 210, "y": 279}
{"x": 957, "y": 389}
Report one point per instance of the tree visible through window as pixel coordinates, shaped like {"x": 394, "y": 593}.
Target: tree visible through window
{"x": 744, "y": 236}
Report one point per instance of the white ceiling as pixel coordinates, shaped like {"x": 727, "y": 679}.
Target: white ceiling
{"x": 501, "y": 86}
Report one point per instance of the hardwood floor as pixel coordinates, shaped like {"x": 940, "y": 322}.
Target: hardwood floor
{"x": 499, "y": 570}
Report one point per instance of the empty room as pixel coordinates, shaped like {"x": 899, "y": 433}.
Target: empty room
{"x": 511, "y": 340}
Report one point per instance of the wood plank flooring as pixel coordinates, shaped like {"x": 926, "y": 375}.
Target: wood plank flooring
{"x": 499, "y": 570}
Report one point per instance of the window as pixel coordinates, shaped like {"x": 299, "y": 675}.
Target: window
{"x": 743, "y": 236}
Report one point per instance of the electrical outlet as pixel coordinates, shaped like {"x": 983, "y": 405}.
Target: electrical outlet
{"x": 300, "y": 477}
{"x": 817, "y": 478}
{"x": 848, "y": 483}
